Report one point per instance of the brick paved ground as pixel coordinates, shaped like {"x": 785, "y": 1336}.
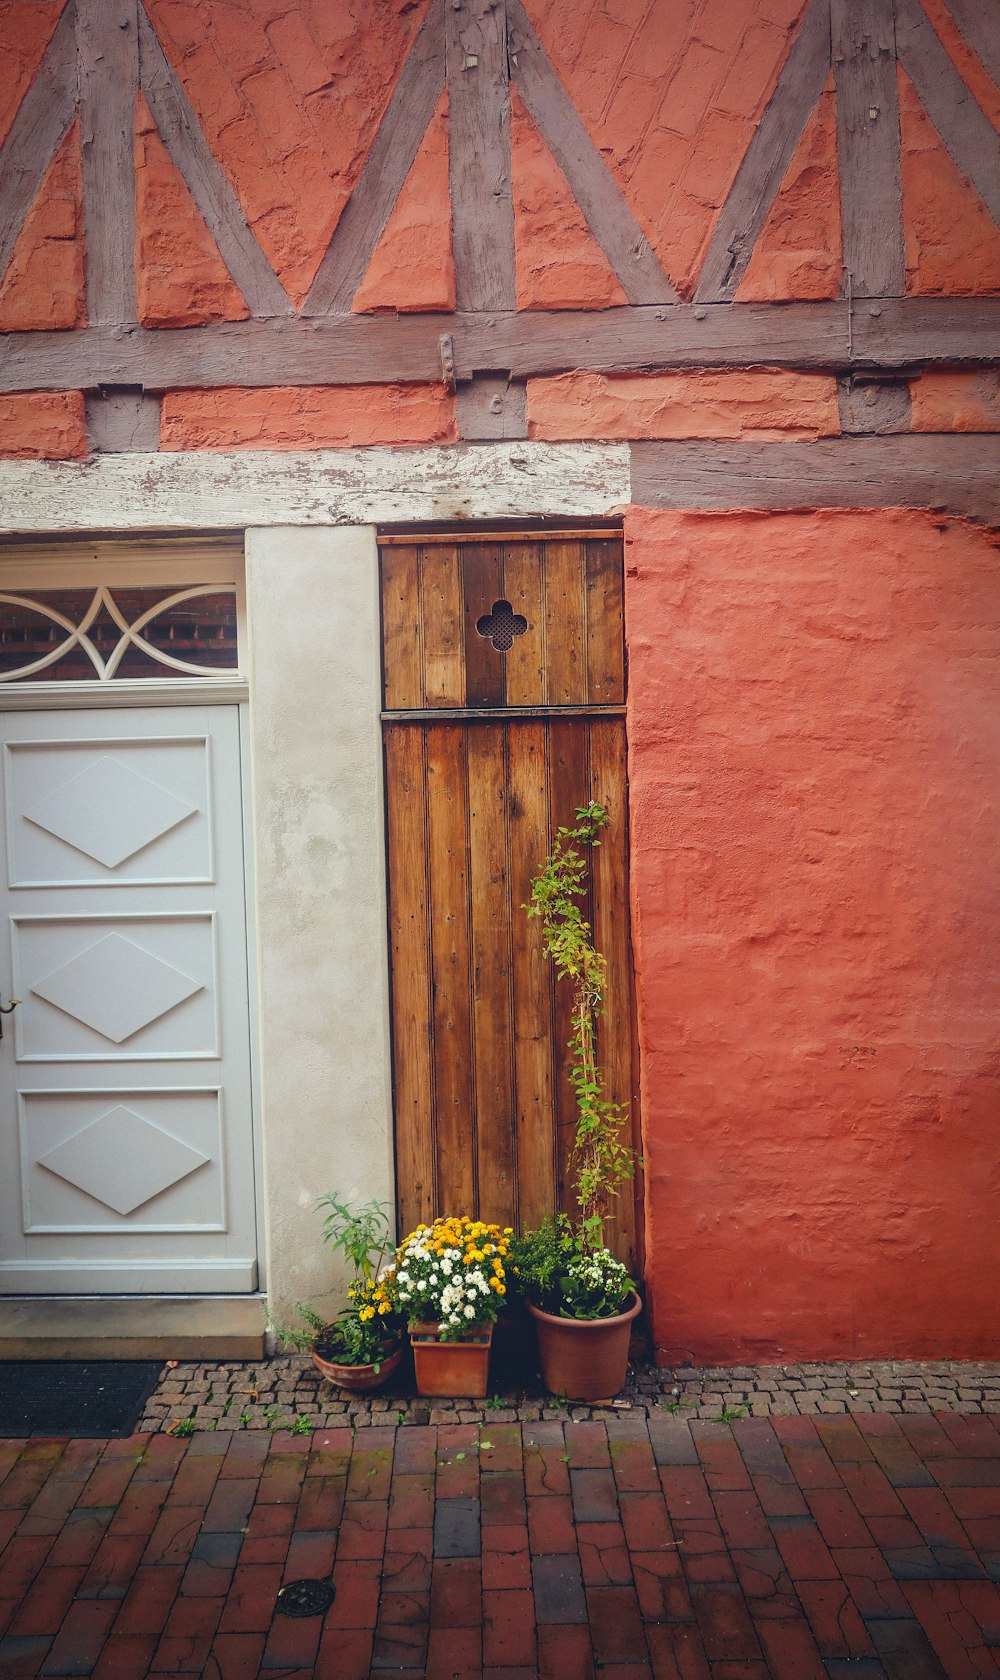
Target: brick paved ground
{"x": 795, "y": 1547}
{"x": 231, "y": 1396}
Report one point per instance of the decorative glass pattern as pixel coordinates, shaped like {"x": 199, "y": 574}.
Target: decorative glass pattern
{"x": 501, "y": 624}
{"x": 79, "y": 635}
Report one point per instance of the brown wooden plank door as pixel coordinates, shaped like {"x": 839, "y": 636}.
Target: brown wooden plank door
{"x": 504, "y": 691}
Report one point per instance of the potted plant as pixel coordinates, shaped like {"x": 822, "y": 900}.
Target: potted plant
{"x": 361, "y": 1347}
{"x": 581, "y": 1298}
{"x": 451, "y": 1278}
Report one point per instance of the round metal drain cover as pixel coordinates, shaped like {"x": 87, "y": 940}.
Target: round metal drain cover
{"x": 305, "y": 1598}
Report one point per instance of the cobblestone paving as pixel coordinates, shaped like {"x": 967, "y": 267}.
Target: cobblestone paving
{"x": 230, "y": 1396}
{"x": 646, "y": 1547}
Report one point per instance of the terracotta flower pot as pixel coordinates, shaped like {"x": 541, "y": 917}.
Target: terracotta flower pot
{"x": 455, "y": 1370}
{"x": 584, "y": 1358}
{"x": 359, "y": 1379}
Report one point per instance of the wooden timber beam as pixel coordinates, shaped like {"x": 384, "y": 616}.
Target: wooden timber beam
{"x": 966, "y": 130}
{"x": 205, "y": 178}
{"x": 386, "y": 167}
{"x": 107, "y": 38}
{"x": 960, "y": 474}
{"x": 387, "y": 349}
{"x": 979, "y": 22}
{"x": 479, "y": 159}
{"x": 39, "y": 126}
{"x": 868, "y": 146}
{"x": 767, "y": 157}
{"x": 605, "y": 210}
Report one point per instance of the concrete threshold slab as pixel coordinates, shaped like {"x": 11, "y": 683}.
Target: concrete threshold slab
{"x": 132, "y": 1327}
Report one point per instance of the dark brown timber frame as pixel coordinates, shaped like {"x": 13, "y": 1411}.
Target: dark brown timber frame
{"x": 102, "y": 50}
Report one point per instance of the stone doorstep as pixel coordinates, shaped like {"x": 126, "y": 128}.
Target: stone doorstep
{"x": 223, "y": 1327}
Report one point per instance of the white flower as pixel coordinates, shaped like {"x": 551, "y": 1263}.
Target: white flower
{"x": 446, "y": 1266}
{"x": 470, "y": 1312}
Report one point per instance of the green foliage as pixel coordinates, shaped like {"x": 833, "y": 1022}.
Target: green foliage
{"x": 301, "y": 1426}
{"x": 361, "y": 1235}
{"x": 183, "y": 1427}
{"x": 602, "y": 1161}
{"x": 562, "y": 1274}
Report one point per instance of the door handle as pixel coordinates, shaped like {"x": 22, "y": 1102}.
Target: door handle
{"x": 8, "y": 1010}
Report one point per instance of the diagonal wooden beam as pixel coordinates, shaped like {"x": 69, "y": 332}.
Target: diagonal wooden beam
{"x": 868, "y": 146}
{"x": 184, "y": 138}
{"x": 479, "y": 166}
{"x": 968, "y": 134}
{"x": 107, "y": 38}
{"x": 767, "y": 158}
{"x": 39, "y": 126}
{"x": 979, "y": 22}
{"x": 386, "y": 167}
{"x": 591, "y": 182}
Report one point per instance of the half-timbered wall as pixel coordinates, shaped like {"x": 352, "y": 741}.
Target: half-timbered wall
{"x": 729, "y": 267}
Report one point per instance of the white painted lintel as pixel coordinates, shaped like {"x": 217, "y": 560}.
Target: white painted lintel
{"x": 202, "y": 490}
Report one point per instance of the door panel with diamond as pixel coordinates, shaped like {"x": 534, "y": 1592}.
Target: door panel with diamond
{"x": 126, "y": 1125}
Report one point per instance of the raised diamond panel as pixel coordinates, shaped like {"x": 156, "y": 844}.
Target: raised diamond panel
{"x": 116, "y": 987}
{"x": 122, "y": 1160}
{"x": 108, "y": 812}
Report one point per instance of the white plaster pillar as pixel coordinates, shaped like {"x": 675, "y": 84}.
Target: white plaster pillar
{"x": 319, "y": 849}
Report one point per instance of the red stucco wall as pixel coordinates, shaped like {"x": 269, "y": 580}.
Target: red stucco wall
{"x": 814, "y": 727}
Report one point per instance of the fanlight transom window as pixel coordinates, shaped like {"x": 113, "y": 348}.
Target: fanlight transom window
{"x": 118, "y": 632}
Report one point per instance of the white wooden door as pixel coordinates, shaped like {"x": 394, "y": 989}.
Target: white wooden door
{"x": 126, "y": 1141}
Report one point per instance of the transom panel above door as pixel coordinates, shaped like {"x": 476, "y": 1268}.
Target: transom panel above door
{"x": 504, "y": 690}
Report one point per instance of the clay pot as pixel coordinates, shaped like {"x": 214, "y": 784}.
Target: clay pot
{"x": 360, "y": 1379}
{"x": 455, "y": 1370}
{"x": 584, "y": 1358}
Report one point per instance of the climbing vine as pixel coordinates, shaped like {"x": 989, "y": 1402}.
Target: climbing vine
{"x": 602, "y": 1162}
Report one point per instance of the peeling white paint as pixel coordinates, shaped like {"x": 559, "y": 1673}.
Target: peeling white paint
{"x": 201, "y": 490}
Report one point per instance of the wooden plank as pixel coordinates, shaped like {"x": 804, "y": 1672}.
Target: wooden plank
{"x": 409, "y": 941}
{"x": 184, "y": 138}
{"x": 605, "y": 209}
{"x": 868, "y": 146}
{"x": 605, "y": 610}
{"x": 489, "y": 406}
{"x": 565, "y": 623}
{"x": 401, "y": 665}
{"x": 968, "y": 134}
{"x": 442, "y": 626}
{"x": 956, "y": 473}
{"x": 611, "y": 936}
{"x": 873, "y": 405}
{"x": 447, "y": 812}
{"x": 491, "y": 974}
{"x": 528, "y": 824}
{"x": 767, "y": 157}
{"x": 122, "y": 422}
{"x": 364, "y": 217}
{"x": 569, "y": 788}
{"x": 479, "y": 165}
{"x": 107, "y": 36}
{"x": 979, "y": 23}
{"x": 484, "y": 665}
{"x": 39, "y": 126}
{"x": 522, "y": 582}
{"x": 200, "y": 490}
{"x": 359, "y": 349}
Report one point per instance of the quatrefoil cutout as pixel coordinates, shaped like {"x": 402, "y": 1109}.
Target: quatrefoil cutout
{"x": 500, "y": 625}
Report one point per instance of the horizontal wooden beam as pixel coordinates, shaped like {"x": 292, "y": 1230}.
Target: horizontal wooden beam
{"x": 385, "y": 349}
{"x": 205, "y": 491}
{"x": 959, "y": 474}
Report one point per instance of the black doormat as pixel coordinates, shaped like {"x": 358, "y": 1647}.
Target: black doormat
{"x": 74, "y": 1396}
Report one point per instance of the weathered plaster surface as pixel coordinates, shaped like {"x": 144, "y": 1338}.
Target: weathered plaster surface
{"x": 39, "y": 426}
{"x": 318, "y": 833}
{"x": 308, "y": 417}
{"x": 760, "y": 402}
{"x": 199, "y": 490}
{"x": 814, "y": 760}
